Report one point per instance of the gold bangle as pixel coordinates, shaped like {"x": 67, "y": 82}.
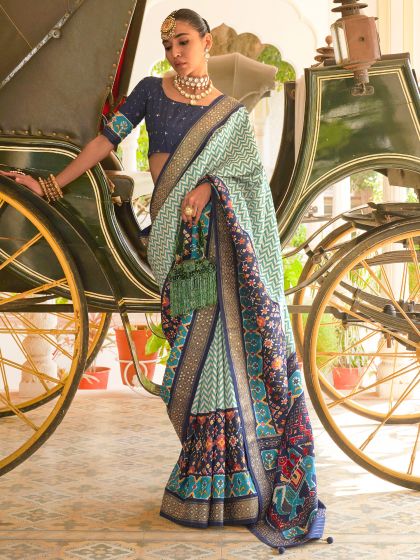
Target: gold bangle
{"x": 51, "y": 191}
{"x": 44, "y": 188}
{"x": 53, "y": 188}
{"x": 56, "y": 186}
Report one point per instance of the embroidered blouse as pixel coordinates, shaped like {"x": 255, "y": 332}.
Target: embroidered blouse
{"x": 167, "y": 121}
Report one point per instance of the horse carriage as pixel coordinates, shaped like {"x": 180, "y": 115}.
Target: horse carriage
{"x": 65, "y": 268}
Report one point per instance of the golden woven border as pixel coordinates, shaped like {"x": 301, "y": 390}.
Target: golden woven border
{"x": 186, "y": 150}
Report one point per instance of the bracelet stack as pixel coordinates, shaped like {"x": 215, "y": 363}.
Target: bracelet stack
{"x": 51, "y": 189}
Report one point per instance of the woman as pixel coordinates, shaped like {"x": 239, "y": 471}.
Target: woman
{"x": 232, "y": 386}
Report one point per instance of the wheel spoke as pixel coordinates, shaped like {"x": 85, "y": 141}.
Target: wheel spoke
{"x": 21, "y": 250}
{"x": 22, "y": 348}
{"x": 343, "y": 353}
{"x": 43, "y": 288}
{"x": 29, "y": 331}
{"x": 367, "y": 367}
{"x": 404, "y": 281}
{"x": 389, "y": 293}
{"x": 413, "y": 253}
{"x": 413, "y": 384}
{"x": 403, "y": 371}
{"x": 39, "y": 366}
{"x": 36, "y": 373}
{"x": 19, "y": 413}
{"x": 45, "y": 337}
{"x": 383, "y": 329}
{"x": 414, "y": 453}
{"x": 361, "y": 360}
{"x": 4, "y": 377}
{"x": 365, "y": 354}
{"x": 366, "y": 283}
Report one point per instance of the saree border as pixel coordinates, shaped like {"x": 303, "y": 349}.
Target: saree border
{"x": 230, "y": 309}
{"x": 235, "y": 350}
{"x": 210, "y": 251}
{"x": 188, "y": 149}
{"x": 192, "y": 363}
{"x": 208, "y": 513}
{"x": 193, "y": 356}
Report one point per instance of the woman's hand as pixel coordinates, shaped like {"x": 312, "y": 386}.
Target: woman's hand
{"x": 26, "y": 180}
{"x": 197, "y": 199}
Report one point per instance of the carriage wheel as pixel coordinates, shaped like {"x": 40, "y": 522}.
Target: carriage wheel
{"x": 98, "y": 328}
{"x": 322, "y": 254}
{"x": 33, "y": 358}
{"x": 365, "y": 334}
{"x": 326, "y": 251}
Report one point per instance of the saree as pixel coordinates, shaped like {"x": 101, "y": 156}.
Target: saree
{"x": 232, "y": 386}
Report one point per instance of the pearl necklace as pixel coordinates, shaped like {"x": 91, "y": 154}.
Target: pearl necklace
{"x": 180, "y": 82}
{"x": 194, "y": 81}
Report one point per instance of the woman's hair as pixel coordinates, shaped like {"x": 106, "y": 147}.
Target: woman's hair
{"x": 194, "y": 19}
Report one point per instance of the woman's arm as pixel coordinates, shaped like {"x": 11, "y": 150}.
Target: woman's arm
{"x": 197, "y": 198}
{"x": 95, "y": 151}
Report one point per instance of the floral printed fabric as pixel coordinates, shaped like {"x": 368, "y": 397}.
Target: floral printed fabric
{"x": 265, "y": 452}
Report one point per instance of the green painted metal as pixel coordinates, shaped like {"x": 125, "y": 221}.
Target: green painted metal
{"x": 344, "y": 134}
{"x": 110, "y": 268}
{"x": 60, "y": 92}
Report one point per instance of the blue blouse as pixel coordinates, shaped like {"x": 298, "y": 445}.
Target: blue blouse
{"x": 167, "y": 121}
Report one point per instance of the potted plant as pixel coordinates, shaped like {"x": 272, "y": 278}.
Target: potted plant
{"x": 151, "y": 348}
{"x": 349, "y": 369}
{"x": 157, "y": 343}
{"x": 95, "y": 376}
{"x": 140, "y": 334}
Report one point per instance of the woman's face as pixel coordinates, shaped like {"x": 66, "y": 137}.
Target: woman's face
{"x": 185, "y": 50}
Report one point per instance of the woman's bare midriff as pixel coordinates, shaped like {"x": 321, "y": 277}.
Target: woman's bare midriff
{"x": 156, "y": 162}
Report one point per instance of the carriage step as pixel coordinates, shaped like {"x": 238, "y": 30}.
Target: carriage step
{"x": 383, "y": 213}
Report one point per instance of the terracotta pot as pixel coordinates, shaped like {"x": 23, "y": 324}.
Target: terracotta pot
{"x": 346, "y": 377}
{"x": 140, "y": 337}
{"x": 95, "y": 378}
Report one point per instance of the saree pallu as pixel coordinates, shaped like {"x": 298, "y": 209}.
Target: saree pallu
{"x": 232, "y": 386}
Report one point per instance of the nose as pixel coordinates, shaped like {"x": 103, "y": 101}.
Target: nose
{"x": 176, "y": 51}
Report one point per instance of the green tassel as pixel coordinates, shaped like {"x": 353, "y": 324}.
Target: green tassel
{"x": 192, "y": 285}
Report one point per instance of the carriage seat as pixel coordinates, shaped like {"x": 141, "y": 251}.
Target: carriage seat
{"x": 122, "y": 194}
{"x": 122, "y": 185}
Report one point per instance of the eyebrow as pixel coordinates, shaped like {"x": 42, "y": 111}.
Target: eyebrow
{"x": 176, "y": 36}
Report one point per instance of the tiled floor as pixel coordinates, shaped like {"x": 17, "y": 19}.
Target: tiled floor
{"x": 93, "y": 492}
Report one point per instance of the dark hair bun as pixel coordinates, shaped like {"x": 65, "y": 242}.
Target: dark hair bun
{"x": 194, "y": 19}
{"x": 207, "y": 25}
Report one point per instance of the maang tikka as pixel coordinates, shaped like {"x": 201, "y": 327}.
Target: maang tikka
{"x": 167, "y": 29}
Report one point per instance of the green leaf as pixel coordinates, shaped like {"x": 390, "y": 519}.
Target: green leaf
{"x": 153, "y": 344}
{"x": 285, "y": 71}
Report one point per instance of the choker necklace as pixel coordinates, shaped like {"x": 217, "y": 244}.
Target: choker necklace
{"x": 180, "y": 82}
{"x": 194, "y": 81}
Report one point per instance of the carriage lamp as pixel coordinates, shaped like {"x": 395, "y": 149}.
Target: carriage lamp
{"x": 356, "y": 43}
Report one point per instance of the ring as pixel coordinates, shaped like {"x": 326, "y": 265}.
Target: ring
{"x": 19, "y": 172}
{"x": 189, "y": 210}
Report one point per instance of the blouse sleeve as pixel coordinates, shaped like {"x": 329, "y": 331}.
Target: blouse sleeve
{"x": 128, "y": 115}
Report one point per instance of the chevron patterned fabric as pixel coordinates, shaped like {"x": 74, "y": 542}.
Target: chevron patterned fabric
{"x": 232, "y": 384}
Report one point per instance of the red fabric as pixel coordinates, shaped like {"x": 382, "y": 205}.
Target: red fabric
{"x": 116, "y": 86}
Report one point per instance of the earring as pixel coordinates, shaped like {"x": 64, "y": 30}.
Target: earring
{"x": 207, "y": 54}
